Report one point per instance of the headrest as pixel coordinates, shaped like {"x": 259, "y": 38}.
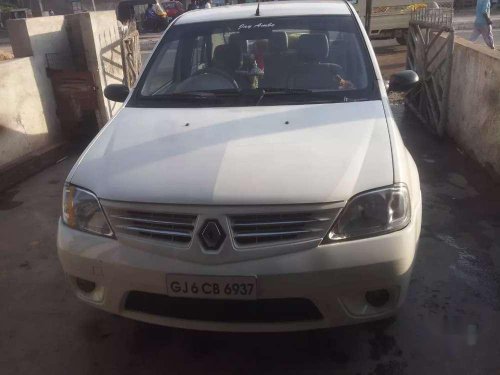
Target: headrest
{"x": 235, "y": 39}
{"x": 227, "y": 56}
{"x": 278, "y": 41}
{"x": 313, "y": 47}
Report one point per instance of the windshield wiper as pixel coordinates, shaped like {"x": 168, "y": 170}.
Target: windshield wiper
{"x": 284, "y": 90}
{"x": 268, "y": 91}
{"x": 196, "y": 95}
{"x": 181, "y": 96}
{"x": 319, "y": 95}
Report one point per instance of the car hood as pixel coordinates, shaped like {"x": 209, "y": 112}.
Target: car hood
{"x": 252, "y": 155}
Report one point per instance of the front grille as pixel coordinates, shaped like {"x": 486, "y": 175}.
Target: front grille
{"x": 231, "y": 311}
{"x": 256, "y": 229}
{"x": 174, "y": 228}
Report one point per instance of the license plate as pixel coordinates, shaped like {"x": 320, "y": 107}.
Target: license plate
{"x": 212, "y": 287}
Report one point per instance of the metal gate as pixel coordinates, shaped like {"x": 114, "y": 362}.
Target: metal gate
{"x": 430, "y": 54}
{"x": 131, "y": 57}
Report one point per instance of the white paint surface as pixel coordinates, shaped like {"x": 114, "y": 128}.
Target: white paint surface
{"x": 327, "y": 152}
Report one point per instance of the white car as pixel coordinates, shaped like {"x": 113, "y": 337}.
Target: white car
{"x": 254, "y": 180}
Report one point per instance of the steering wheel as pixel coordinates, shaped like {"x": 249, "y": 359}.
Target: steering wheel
{"x": 220, "y": 73}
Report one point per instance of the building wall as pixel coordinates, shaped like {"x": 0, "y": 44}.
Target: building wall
{"x": 474, "y": 106}
{"x": 101, "y": 40}
{"x": 38, "y": 36}
{"x": 28, "y": 119}
{"x": 27, "y": 122}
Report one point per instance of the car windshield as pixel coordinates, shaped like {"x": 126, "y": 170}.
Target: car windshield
{"x": 264, "y": 61}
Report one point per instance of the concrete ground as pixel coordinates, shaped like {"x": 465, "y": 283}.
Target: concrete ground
{"x": 450, "y": 323}
{"x": 390, "y": 55}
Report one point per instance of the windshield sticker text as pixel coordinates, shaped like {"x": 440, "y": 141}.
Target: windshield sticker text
{"x": 256, "y": 26}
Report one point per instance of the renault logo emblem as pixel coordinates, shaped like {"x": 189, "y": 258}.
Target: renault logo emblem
{"x": 212, "y": 235}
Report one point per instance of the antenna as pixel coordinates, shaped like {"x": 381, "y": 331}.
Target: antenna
{"x": 257, "y": 12}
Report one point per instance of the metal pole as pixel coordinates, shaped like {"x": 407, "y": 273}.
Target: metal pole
{"x": 40, "y": 6}
{"x": 368, "y": 16}
{"x": 93, "y": 5}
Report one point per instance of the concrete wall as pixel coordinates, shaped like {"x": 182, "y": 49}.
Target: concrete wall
{"x": 38, "y": 36}
{"x": 28, "y": 119}
{"x": 19, "y": 38}
{"x": 101, "y": 40}
{"x": 27, "y": 122}
{"x": 474, "y": 106}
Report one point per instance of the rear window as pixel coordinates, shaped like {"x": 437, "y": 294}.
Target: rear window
{"x": 295, "y": 60}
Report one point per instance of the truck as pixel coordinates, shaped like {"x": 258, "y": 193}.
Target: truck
{"x": 389, "y": 19}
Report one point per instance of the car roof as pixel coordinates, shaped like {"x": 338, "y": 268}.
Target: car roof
{"x": 267, "y": 9}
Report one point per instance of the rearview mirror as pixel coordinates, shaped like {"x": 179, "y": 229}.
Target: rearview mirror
{"x": 403, "y": 81}
{"x": 116, "y": 93}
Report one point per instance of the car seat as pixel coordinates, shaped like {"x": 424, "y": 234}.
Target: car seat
{"x": 312, "y": 71}
{"x": 228, "y": 58}
{"x": 278, "y": 61}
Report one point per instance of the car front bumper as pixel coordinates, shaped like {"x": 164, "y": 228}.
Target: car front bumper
{"x": 333, "y": 277}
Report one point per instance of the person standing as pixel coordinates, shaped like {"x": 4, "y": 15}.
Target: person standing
{"x": 150, "y": 14}
{"x": 208, "y": 4}
{"x": 482, "y": 24}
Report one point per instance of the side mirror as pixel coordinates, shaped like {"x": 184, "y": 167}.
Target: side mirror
{"x": 116, "y": 93}
{"x": 403, "y": 81}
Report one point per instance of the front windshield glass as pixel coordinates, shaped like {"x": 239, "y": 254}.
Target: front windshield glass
{"x": 264, "y": 61}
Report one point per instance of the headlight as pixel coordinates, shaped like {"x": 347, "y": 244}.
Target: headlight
{"x": 82, "y": 211}
{"x": 372, "y": 213}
